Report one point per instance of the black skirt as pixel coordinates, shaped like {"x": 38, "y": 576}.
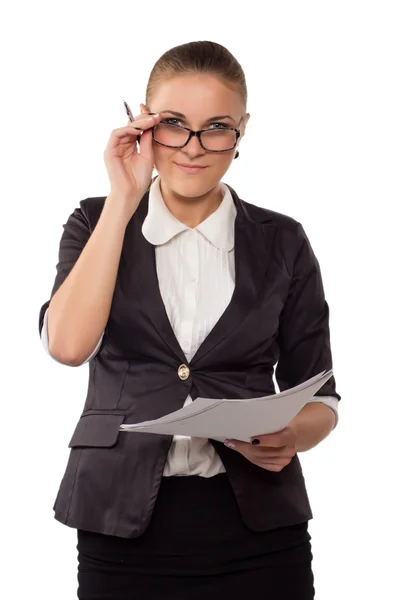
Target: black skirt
{"x": 196, "y": 546}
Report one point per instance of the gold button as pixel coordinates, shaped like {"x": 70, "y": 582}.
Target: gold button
{"x": 183, "y": 371}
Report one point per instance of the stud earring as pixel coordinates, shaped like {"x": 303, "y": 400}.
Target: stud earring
{"x": 237, "y": 154}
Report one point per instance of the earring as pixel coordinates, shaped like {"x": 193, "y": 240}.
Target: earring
{"x": 237, "y": 154}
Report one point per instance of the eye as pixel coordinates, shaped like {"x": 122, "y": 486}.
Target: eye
{"x": 179, "y": 123}
{"x": 223, "y": 125}
{"x": 172, "y": 121}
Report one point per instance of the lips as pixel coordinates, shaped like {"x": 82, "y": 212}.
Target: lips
{"x": 190, "y": 168}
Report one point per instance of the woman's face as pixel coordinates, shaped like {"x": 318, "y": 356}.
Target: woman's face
{"x": 199, "y": 97}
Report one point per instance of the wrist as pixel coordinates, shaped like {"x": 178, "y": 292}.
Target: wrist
{"x": 118, "y": 209}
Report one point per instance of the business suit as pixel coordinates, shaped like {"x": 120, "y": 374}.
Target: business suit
{"x": 278, "y": 310}
{"x": 135, "y": 375}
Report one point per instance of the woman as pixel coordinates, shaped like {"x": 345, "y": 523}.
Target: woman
{"x": 173, "y": 291}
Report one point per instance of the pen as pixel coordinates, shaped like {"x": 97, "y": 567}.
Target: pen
{"x": 131, "y": 118}
{"x": 128, "y": 111}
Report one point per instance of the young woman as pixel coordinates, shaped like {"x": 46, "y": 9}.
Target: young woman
{"x": 172, "y": 289}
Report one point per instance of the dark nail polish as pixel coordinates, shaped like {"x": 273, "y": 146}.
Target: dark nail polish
{"x": 255, "y": 442}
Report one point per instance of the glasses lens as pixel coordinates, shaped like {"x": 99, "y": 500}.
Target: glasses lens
{"x": 214, "y": 139}
{"x": 218, "y": 139}
{"x": 170, "y": 135}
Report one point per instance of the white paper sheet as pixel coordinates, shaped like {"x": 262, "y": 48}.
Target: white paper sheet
{"x": 240, "y": 419}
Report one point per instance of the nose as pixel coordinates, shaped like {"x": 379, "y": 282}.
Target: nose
{"x": 193, "y": 147}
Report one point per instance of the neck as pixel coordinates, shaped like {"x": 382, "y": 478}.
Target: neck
{"x": 191, "y": 210}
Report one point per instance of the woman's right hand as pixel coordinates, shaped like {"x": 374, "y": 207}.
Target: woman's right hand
{"x": 130, "y": 172}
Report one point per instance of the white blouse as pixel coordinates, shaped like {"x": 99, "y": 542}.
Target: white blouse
{"x": 191, "y": 265}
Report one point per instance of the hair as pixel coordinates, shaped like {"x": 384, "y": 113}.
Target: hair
{"x": 198, "y": 57}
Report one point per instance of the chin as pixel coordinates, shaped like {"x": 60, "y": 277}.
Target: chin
{"x": 191, "y": 188}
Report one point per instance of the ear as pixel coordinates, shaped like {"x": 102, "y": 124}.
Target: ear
{"x": 244, "y": 123}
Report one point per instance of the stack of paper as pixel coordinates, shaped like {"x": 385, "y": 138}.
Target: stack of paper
{"x": 235, "y": 418}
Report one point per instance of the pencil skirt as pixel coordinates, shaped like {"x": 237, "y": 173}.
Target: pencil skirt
{"x": 196, "y": 546}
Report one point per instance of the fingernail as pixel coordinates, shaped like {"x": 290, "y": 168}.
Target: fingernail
{"x": 229, "y": 444}
{"x": 255, "y": 442}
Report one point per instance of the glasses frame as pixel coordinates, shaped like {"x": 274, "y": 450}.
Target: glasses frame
{"x": 197, "y": 134}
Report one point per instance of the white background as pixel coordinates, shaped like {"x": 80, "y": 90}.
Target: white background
{"x": 323, "y": 145}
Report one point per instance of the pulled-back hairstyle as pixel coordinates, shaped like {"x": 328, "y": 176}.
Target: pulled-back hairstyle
{"x": 198, "y": 57}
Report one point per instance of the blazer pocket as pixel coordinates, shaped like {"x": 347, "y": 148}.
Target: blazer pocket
{"x": 97, "y": 429}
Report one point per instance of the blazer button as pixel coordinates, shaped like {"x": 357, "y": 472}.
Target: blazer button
{"x": 183, "y": 372}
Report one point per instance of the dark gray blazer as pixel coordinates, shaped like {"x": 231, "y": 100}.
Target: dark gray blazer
{"x": 277, "y": 314}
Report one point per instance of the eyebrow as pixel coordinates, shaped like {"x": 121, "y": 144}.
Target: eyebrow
{"x": 182, "y": 116}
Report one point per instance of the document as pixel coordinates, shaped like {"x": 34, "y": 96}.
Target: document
{"x": 237, "y": 418}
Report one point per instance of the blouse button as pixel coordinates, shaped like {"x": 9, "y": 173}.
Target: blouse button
{"x": 183, "y": 372}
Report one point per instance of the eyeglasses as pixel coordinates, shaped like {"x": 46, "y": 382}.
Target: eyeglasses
{"x": 170, "y": 135}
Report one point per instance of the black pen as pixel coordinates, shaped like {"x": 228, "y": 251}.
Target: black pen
{"x": 128, "y": 111}
{"x": 131, "y": 118}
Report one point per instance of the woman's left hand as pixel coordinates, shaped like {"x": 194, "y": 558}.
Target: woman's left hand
{"x": 273, "y": 451}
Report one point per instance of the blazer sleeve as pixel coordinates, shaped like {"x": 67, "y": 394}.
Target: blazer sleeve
{"x": 303, "y": 333}
{"x": 77, "y": 232}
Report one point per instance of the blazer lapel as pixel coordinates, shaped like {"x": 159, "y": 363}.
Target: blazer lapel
{"x": 253, "y": 245}
{"x": 140, "y": 262}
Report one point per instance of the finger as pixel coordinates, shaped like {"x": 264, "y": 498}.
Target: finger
{"x": 146, "y": 145}
{"x": 144, "y": 119}
{"x": 277, "y": 464}
{"x": 261, "y": 451}
{"x": 133, "y": 128}
{"x": 262, "y": 454}
{"x": 281, "y": 438}
{"x": 287, "y": 452}
{"x": 256, "y": 450}
{"x": 281, "y": 459}
{"x": 243, "y": 447}
{"x": 235, "y": 444}
{"x": 143, "y": 114}
{"x": 125, "y": 137}
{"x": 137, "y": 117}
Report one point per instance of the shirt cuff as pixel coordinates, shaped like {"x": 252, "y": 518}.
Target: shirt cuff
{"x": 330, "y": 401}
